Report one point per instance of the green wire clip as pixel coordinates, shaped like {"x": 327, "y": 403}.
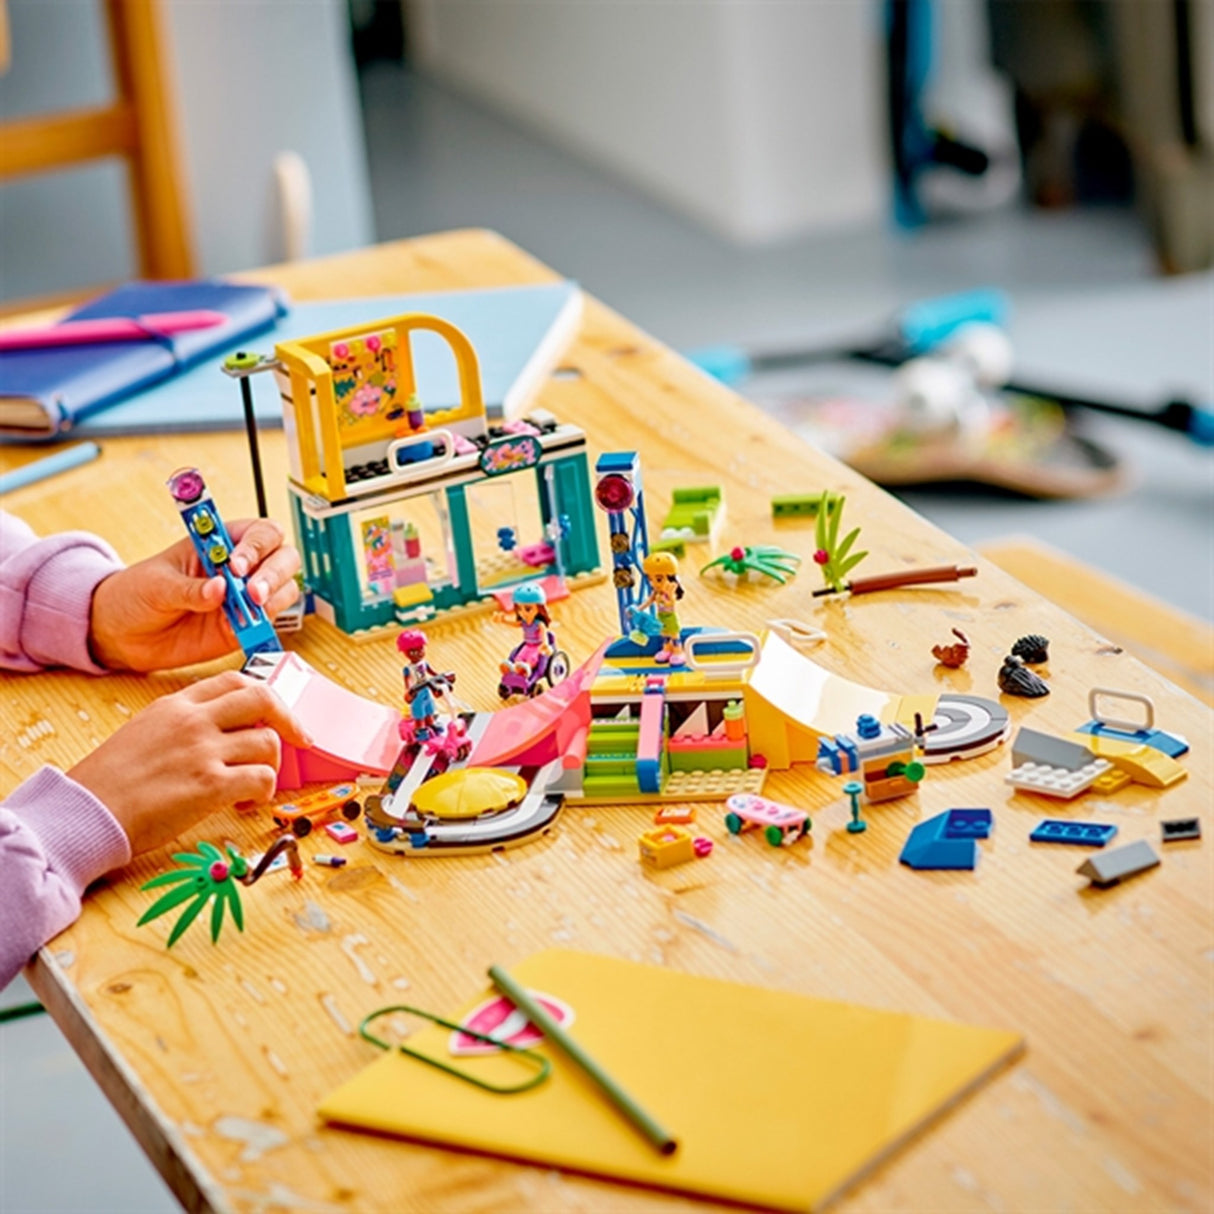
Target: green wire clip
{"x": 542, "y": 1064}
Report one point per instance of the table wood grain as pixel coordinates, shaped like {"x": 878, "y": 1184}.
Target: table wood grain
{"x": 217, "y": 1055}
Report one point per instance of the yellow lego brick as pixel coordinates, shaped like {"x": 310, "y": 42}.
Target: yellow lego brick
{"x": 666, "y": 846}
{"x": 411, "y": 596}
{"x": 1113, "y": 780}
{"x": 1143, "y": 764}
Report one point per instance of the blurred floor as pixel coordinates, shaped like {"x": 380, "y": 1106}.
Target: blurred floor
{"x": 438, "y": 161}
{"x": 441, "y": 161}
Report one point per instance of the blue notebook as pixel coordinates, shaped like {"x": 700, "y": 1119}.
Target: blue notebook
{"x": 44, "y": 393}
{"x": 517, "y": 332}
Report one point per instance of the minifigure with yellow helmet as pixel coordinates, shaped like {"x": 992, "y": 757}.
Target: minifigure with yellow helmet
{"x": 662, "y": 570}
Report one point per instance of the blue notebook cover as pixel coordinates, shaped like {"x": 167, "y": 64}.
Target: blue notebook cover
{"x": 46, "y": 392}
{"x": 517, "y": 332}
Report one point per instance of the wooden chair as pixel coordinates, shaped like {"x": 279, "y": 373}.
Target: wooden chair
{"x": 138, "y": 125}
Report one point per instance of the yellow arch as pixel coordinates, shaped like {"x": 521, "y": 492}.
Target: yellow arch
{"x": 306, "y": 363}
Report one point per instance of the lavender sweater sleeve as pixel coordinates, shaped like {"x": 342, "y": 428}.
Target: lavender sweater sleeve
{"x": 55, "y": 838}
{"x": 46, "y": 590}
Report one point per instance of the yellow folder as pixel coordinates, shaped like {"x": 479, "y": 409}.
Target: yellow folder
{"x": 777, "y": 1100}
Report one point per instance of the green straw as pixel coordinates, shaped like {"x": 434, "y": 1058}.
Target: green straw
{"x": 538, "y": 1016}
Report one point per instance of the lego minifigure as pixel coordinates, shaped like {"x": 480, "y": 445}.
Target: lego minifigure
{"x": 421, "y": 683}
{"x": 662, "y": 570}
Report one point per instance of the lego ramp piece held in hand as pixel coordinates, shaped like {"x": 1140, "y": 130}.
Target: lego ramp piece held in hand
{"x": 353, "y": 736}
{"x": 537, "y": 731}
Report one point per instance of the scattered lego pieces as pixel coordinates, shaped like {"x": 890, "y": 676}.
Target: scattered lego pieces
{"x": 953, "y": 656}
{"x": 210, "y": 874}
{"x": 1081, "y": 834}
{"x": 767, "y": 559}
{"x": 1137, "y": 762}
{"x": 801, "y": 505}
{"x": 781, "y": 824}
{"x": 833, "y": 555}
{"x": 702, "y": 847}
{"x": 1033, "y": 746}
{"x": 947, "y": 841}
{"x": 884, "y": 755}
{"x": 341, "y": 832}
{"x": 329, "y": 861}
{"x": 1060, "y": 782}
{"x": 669, "y": 815}
{"x": 1143, "y": 732}
{"x": 1015, "y": 679}
{"x": 1032, "y": 649}
{"x": 694, "y": 514}
{"x": 857, "y": 825}
{"x": 666, "y": 847}
{"x": 963, "y": 727}
{"x": 1108, "y": 868}
{"x": 1176, "y": 829}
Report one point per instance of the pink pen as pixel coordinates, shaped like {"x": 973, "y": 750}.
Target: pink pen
{"x": 110, "y": 328}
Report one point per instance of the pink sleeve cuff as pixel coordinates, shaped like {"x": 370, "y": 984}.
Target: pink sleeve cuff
{"x": 79, "y": 836}
{"x": 46, "y": 595}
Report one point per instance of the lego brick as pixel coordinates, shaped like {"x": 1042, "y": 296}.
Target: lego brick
{"x": 968, "y": 823}
{"x": 1056, "y": 781}
{"x": 666, "y": 846}
{"x": 608, "y": 786}
{"x": 800, "y": 505}
{"x": 1176, "y": 829}
{"x": 1170, "y": 744}
{"x": 928, "y": 849}
{"x": 1110, "y": 867}
{"x": 682, "y": 814}
{"x": 1080, "y": 834}
{"x": 1043, "y": 749}
{"x": 676, "y": 547}
{"x": 650, "y": 740}
{"x": 1111, "y": 782}
{"x": 722, "y": 758}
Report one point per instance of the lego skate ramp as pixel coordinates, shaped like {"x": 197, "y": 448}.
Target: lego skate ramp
{"x": 811, "y": 696}
{"x": 550, "y": 726}
{"x": 347, "y": 728}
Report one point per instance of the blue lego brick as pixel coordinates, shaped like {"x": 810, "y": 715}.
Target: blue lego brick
{"x": 829, "y": 758}
{"x": 1081, "y": 834}
{"x": 1169, "y": 743}
{"x": 848, "y": 748}
{"x": 967, "y": 824}
{"x": 616, "y": 461}
{"x": 927, "y": 848}
{"x": 947, "y": 841}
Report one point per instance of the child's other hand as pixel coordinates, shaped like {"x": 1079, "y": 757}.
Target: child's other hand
{"x": 162, "y": 613}
{"x": 193, "y": 752}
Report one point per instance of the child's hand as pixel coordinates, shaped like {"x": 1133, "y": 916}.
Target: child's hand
{"x": 201, "y": 749}
{"x": 162, "y": 613}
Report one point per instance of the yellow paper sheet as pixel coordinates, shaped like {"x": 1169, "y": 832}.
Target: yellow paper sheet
{"x": 776, "y": 1099}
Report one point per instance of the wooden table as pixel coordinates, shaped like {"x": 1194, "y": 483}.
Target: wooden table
{"x": 217, "y": 1056}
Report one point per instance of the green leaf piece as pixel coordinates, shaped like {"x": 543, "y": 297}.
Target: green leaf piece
{"x": 170, "y": 878}
{"x": 175, "y": 897}
{"x": 187, "y": 917}
{"x": 232, "y": 893}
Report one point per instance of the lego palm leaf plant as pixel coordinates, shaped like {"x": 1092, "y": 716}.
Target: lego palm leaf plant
{"x": 834, "y": 556}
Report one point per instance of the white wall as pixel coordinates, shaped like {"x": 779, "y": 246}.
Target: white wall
{"x": 760, "y": 120}
{"x": 252, "y": 78}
